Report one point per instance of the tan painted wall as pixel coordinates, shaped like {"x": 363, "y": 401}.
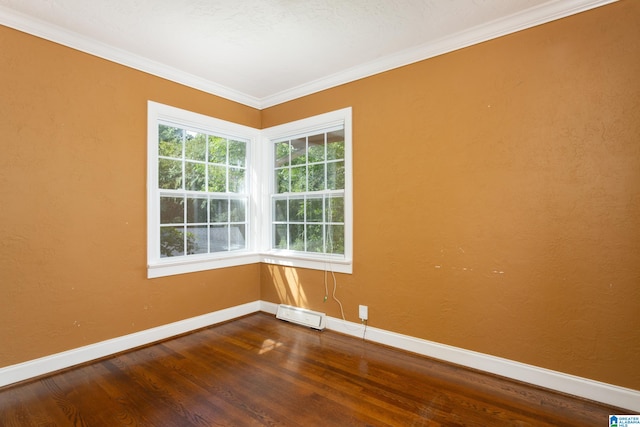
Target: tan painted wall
{"x": 73, "y": 203}
{"x": 497, "y": 198}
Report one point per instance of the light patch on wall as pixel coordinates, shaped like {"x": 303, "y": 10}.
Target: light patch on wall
{"x": 288, "y": 286}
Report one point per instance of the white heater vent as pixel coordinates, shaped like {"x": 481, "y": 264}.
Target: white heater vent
{"x": 301, "y": 316}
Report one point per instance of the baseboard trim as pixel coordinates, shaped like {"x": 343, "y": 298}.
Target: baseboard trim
{"x": 66, "y": 359}
{"x": 565, "y": 383}
{"x": 558, "y": 381}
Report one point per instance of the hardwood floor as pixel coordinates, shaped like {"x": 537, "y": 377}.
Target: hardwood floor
{"x": 257, "y": 371}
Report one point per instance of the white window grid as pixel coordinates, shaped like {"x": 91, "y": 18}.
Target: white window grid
{"x": 204, "y": 228}
{"x": 258, "y": 194}
{"x": 327, "y": 224}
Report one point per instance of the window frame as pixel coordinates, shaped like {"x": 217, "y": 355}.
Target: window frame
{"x": 260, "y": 182}
{"x": 306, "y": 126}
{"x": 158, "y": 266}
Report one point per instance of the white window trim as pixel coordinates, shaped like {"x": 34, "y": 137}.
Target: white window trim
{"x": 338, "y": 264}
{"x": 158, "y": 267}
{"x": 259, "y": 166}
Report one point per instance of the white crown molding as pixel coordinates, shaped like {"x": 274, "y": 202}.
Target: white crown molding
{"x": 27, "y": 24}
{"x": 547, "y": 12}
{"x": 597, "y": 391}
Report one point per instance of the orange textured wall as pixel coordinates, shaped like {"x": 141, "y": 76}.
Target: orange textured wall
{"x": 73, "y": 203}
{"x": 497, "y": 198}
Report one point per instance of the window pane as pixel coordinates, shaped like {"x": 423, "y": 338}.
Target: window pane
{"x": 314, "y": 209}
{"x": 237, "y": 211}
{"x": 171, "y": 241}
{"x": 217, "y": 179}
{"x": 219, "y": 238}
{"x": 282, "y": 180}
{"x": 236, "y": 180}
{"x": 335, "y": 145}
{"x": 299, "y": 151}
{"x": 195, "y": 147}
{"x": 316, "y": 177}
{"x": 335, "y": 176}
{"x": 315, "y": 238}
{"x": 316, "y": 148}
{"x": 236, "y": 237}
{"x": 171, "y": 210}
{"x": 335, "y": 239}
{"x": 196, "y": 210}
{"x": 335, "y": 209}
{"x": 306, "y": 167}
{"x": 237, "y": 153}
{"x": 197, "y": 240}
{"x": 296, "y": 237}
{"x": 169, "y": 141}
{"x": 296, "y": 210}
{"x": 169, "y": 174}
{"x": 195, "y": 176}
{"x": 282, "y": 154}
{"x": 217, "y": 150}
{"x": 201, "y": 190}
{"x": 219, "y": 210}
{"x": 299, "y": 179}
{"x": 280, "y": 236}
{"x": 281, "y": 210}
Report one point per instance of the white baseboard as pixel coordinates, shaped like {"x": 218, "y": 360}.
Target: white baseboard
{"x": 565, "y": 383}
{"x": 55, "y": 362}
{"x": 269, "y": 307}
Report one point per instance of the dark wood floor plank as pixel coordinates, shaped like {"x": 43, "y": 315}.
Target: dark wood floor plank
{"x": 318, "y": 382}
{"x": 258, "y": 371}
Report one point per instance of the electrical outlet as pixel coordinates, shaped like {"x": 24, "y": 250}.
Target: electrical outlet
{"x": 363, "y": 312}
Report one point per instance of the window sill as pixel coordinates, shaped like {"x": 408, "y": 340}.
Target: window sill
{"x": 171, "y": 267}
{"x": 336, "y": 265}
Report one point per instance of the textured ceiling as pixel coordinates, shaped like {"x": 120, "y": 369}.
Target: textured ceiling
{"x": 261, "y": 52}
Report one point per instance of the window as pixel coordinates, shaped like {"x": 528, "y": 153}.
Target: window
{"x": 199, "y": 192}
{"x": 221, "y": 194}
{"x": 308, "y": 201}
{"x": 310, "y": 195}
{"x": 201, "y": 183}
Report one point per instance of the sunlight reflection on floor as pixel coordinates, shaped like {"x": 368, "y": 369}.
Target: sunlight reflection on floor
{"x": 269, "y": 345}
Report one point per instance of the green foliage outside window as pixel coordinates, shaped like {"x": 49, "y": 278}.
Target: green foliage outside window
{"x": 309, "y": 175}
{"x": 211, "y": 168}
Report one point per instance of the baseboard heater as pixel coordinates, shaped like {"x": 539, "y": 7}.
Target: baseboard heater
{"x": 301, "y": 316}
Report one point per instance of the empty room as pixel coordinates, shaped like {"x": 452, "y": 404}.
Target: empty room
{"x": 319, "y": 212}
